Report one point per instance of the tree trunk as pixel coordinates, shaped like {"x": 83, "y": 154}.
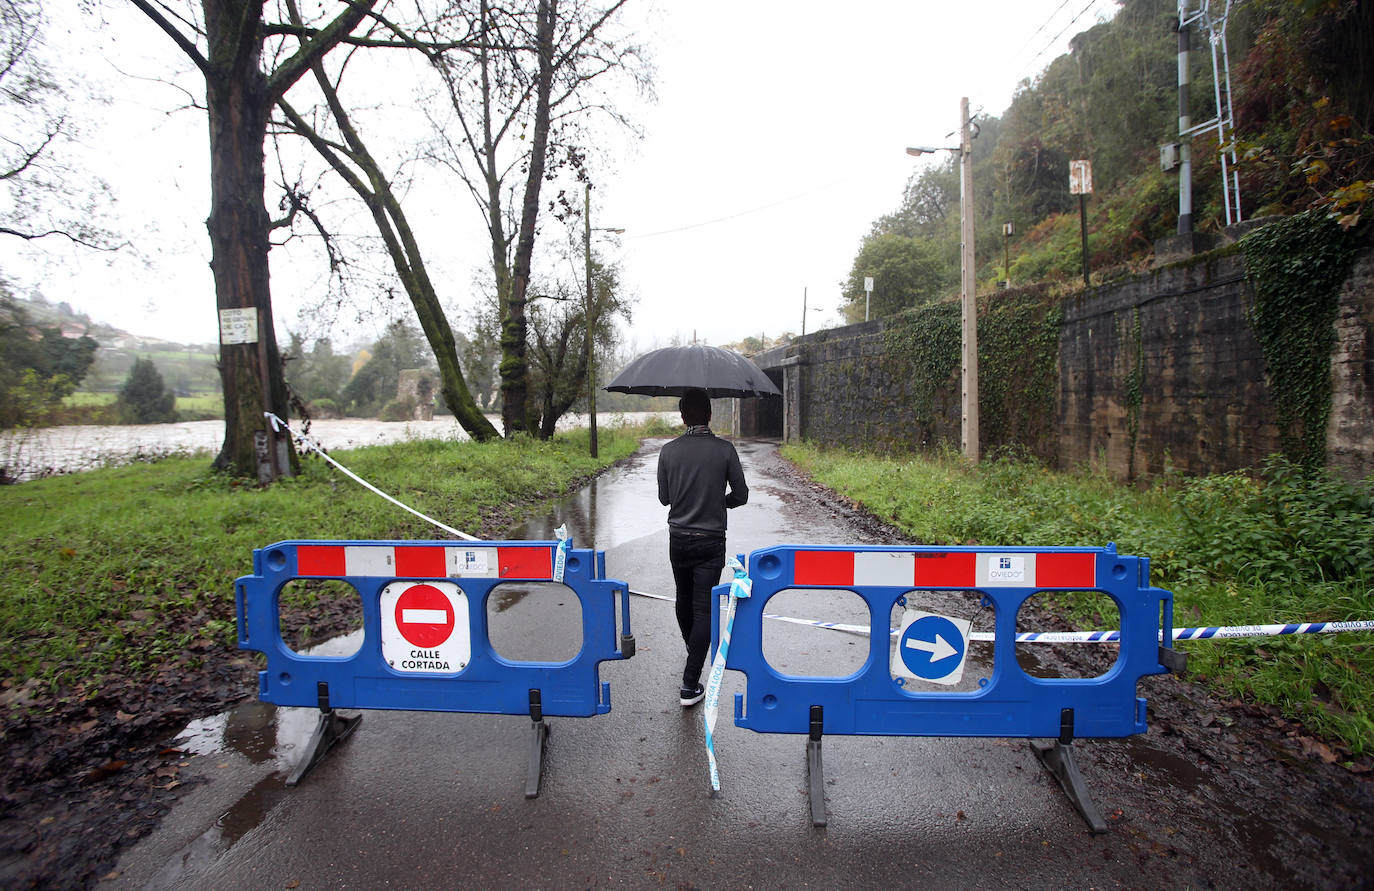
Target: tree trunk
{"x": 515, "y": 329}
{"x": 251, "y": 373}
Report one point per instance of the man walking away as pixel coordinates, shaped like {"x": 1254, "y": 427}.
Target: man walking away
{"x": 694, "y": 471}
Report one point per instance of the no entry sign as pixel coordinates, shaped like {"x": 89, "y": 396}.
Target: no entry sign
{"x": 425, "y": 627}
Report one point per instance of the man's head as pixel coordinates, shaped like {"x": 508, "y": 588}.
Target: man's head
{"x": 695, "y": 406}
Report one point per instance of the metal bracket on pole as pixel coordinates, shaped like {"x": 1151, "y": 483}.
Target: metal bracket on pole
{"x": 1059, "y": 761}
{"x": 535, "y": 771}
{"x": 329, "y": 729}
{"x": 814, "y": 770}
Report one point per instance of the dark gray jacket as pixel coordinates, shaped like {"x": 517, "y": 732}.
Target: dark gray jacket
{"x": 693, "y": 472}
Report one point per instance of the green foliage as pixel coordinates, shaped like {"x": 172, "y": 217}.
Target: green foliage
{"x": 398, "y": 410}
{"x": 144, "y": 399}
{"x": 1288, "y": 547}
{"x": 1018, "y": 367}
{"x": 1305, "y": 112}
{"x": 317, "y": 373}
{"x": 99, "y": 566}
{"x": 38, "y": 366}
{"x": 400, "y": 348}
{"x": 1291, "y": 526}
{"x": 906, "y": 271}
{"x": 1297, "y": 266}
{"x": 927, "y": 340}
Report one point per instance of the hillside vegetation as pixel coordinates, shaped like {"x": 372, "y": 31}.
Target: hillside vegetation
{"x": 1300, "y": 76}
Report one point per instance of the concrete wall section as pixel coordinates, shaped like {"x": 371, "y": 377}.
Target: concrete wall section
{"x": 1162, "y": 371}
{"x": 1350, "y": 432}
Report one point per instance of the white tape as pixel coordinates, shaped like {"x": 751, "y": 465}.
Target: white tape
{"x": 309, "y": 444}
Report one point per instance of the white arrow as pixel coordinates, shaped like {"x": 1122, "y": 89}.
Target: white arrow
{"x": 938, "y": 650}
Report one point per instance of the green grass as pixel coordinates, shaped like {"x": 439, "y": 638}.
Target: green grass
{"x": 1234, "y": 550}
{"x": 98, "y": 566}
{"x": 84, "y": 399}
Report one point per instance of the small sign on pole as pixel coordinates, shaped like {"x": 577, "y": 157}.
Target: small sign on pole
{"x": 238, "y": 326}
{"x": 1081, "y": 184}
{"x": 868, "y": 294}
{"x": 1080, "y": 177}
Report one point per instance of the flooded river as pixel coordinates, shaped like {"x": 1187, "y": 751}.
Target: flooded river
{"x": 28, "y": 454}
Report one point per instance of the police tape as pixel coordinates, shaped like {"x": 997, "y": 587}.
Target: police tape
{"x": 740, "y": 587}
{"x": 310, "y": 445}
{"x": 1213, "y": 632}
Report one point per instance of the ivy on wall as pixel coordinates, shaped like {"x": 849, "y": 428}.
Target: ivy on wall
{"x": 1296, "y": 266}
{"x": 927, "y": 339}
{"x": 1018, "y": 360}
{"x": 1018, "y": 355}
{"x": 1133, "y": 387}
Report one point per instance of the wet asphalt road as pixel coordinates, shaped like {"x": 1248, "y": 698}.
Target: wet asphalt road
{"x": 420, "y": 800}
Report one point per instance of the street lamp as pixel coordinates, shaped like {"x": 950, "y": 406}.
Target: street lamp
{"x": 968, "y": 282}
{"x": 591, "y": 354}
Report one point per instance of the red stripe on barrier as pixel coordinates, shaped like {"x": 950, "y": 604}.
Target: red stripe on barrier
{"x": 526, "y": 563}
{"x": 823, "y": 568}
{"x": 422, "y": 562}
{"x": 320, "y": 560}
{"x": 1066, "y": 570}
{"x": 947, "y": 570}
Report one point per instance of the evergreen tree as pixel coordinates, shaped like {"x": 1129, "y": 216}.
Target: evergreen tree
{"x": 144, "y": 397}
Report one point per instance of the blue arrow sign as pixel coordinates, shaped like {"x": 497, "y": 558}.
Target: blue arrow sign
{"x": 932, "y": 647}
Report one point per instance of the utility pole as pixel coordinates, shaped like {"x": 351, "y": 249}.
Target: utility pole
{"x": 968, "y": 286}
{"x": 1185, "y": 147}
{"x": 591, "y": 355}
{"x": 803, "y": 334}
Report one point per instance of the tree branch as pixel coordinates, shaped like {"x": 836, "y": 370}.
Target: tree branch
{"x": 187, "y": 46}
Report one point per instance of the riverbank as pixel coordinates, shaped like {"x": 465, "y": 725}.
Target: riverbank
{"x": 50, "y": 451}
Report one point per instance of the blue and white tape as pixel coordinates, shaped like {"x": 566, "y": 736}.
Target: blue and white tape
{"x": 560, "y": 557}
{"x": 1213, "y": 632}
{"x": 740, "y": 588}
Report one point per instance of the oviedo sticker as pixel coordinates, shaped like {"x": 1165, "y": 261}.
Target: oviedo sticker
{"x": 425, "y": 627}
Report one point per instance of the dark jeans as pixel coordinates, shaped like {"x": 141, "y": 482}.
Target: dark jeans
{"x": 697, "y": 564}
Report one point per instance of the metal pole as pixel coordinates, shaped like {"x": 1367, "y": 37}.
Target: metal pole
{"x": 803, "y": 312}
{"x": 1185, "y": 139}
{"x": 591, "y": 355}
{"x": 1083, "y": 227}
{"x": 968, "y": 287}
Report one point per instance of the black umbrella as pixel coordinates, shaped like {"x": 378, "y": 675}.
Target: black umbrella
{"x": 672, "y": 371}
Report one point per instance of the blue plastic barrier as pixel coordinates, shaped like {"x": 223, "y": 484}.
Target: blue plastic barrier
{"x": 1009, "y": 703}
{"x": 425, "y": 639}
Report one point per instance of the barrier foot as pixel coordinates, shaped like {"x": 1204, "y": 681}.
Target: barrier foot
{"x": 535, "y": 771}
{"x": 1059, "y": 761}
{"x": 330, "y": 729}
{"x": 815, "y": 773}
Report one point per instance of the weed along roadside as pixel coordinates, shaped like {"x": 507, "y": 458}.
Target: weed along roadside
{"x": 122, "y": 630}
{"x": 117, "y": 624}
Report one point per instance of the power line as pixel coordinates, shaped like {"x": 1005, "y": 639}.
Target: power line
{"x": 1031, "y": 38}
{"x": 1054, "y": 40}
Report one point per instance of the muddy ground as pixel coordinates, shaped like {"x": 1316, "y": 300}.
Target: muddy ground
{"x": 88, "y": 772}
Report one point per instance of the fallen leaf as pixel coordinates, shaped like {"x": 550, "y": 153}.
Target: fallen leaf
{"x": 294, "y": 883}
{"x": 123, "y": 717}
{"x": 106, "y": 770}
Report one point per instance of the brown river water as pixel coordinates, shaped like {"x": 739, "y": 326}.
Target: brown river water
{"x": 28, "y": 454}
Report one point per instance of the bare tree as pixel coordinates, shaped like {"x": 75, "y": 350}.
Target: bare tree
{"x": 37, "y": 179}
{"x": 351, "y": 159}
{"x": 519, "y": 103}
{"x": 228, "y": 48}
{"x": 559, "y": 366}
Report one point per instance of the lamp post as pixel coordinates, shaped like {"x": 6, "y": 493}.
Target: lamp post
{"x": 968, "y": 282}
{"x": 591, "y": 318}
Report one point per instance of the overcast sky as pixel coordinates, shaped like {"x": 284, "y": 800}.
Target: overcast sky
{"x": 776, "y": 140}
